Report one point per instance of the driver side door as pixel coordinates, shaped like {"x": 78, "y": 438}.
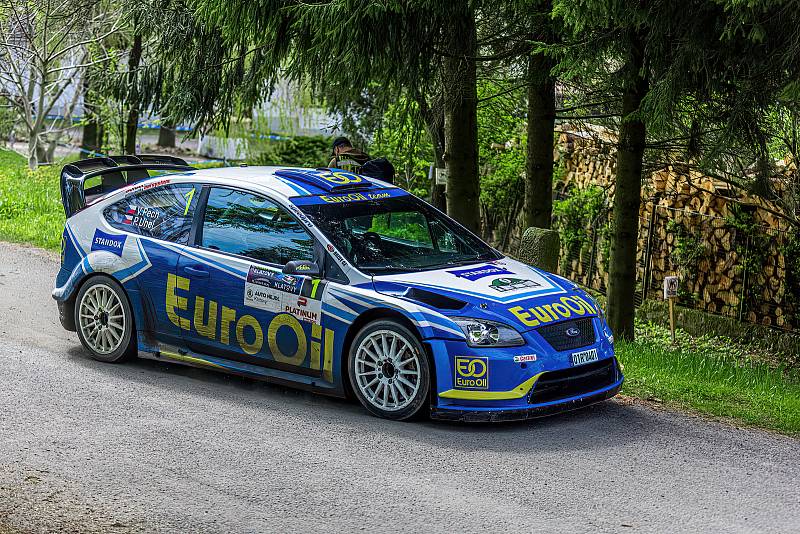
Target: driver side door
{"x": 243, "y": 307}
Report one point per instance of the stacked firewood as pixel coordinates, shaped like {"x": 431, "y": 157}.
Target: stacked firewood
{"x": 685, "y": 213}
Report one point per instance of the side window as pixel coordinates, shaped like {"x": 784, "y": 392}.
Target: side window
{"x": 162, "y": 212}
{"x": 249, "y": 225}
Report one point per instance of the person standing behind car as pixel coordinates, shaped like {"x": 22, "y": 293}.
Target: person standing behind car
{"x": 347, "y": 157}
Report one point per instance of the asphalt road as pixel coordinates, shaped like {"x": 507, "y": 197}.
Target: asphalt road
{"x": 148, "y": 446}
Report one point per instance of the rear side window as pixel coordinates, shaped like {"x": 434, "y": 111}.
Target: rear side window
{"x": 161, "y": 213}
{"x": 253, "y": 226}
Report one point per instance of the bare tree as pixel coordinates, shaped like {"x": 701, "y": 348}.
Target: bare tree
{"x": 45, "y": 49}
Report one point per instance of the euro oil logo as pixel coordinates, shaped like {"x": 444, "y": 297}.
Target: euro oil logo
{"x": 230, "y": 326}
{"x": 564, "y": 308}
{"x": 472, "y": 372}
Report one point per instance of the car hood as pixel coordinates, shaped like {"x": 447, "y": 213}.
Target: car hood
{"x": 505, "y": 290}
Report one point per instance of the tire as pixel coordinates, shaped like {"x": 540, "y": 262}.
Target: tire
{"x": 104, "y": 320}
{"x": 390, "y": 384}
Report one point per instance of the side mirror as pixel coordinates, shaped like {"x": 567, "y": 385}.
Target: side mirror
{"x": 303, "y": 267}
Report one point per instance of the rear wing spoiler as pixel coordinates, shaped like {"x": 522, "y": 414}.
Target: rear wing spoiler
{"x": 87, "y": 180}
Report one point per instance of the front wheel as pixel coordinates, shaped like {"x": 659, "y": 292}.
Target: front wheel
{"x": 104, "y": 320}
{"x": 389, "y": 370}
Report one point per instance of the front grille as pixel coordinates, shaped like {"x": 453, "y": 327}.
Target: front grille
{"x": 556, "y": 385}
{"x": 556, "y": 334}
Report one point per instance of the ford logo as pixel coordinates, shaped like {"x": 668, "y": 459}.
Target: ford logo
{"x": 573, "y": 332}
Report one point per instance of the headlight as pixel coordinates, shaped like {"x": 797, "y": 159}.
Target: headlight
{"x": 483, "y": 333}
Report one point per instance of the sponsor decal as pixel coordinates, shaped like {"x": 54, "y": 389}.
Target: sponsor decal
{"x": 261, "y": 297}
{"x": 145, "y": 187}
{"x": 344, "y": 198}
{"x": 300, "y": 215}
{"x": 523, "y": 358}
{"x": 476, "y": 273}
{"x": 336, "y": 254}
{"x": 563, "y": 308}
{"x": 276, "y": 292}
{"x": 472, "y": 372}
{"x": 303, "y": 308}
{"x": 108, "y": 242}
{"x": 354, "y": 197}
{"x": 511, "y": 284}
{"x": 229, "y": 326}
{"x": 273, "y": 279}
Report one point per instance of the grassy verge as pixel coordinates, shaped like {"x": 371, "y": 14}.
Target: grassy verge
{"x": 711, "y": 375}
{"x": 30, "y": 203}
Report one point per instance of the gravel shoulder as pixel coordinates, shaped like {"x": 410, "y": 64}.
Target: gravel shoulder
{"x": 153, "y": 447}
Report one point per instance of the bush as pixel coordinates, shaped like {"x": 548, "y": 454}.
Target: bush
{"x": 300, "y": 151}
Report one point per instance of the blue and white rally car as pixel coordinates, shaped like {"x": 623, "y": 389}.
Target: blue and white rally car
{"x": 325, "y": 280}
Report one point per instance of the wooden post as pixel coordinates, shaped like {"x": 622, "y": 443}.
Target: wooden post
{"x": 672, "y": 319}
{"x": 670, "y": 294}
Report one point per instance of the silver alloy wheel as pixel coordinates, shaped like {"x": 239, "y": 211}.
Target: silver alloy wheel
{"x": 102, "y": 319}
{"x": 387, "y": 370}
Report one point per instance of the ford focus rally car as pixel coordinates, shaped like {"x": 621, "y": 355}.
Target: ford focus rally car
{"x": 325, "y": 280}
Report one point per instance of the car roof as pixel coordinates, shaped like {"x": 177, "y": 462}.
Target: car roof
{"x": 286, "y": 181}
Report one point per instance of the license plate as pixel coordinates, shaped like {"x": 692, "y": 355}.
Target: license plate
{"x": 584, "y": 356}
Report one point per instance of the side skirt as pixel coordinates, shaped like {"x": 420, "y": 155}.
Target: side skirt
{"x": 274, "y": 376}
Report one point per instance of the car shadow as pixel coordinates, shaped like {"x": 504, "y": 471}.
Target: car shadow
{"x": 596, "y": 427}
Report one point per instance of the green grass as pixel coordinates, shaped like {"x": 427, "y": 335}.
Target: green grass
{"x": 711, "y": 375}
{"x": 30, "y": 203}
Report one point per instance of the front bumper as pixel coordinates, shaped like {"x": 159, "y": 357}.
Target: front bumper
{"x": 531, "y": 412}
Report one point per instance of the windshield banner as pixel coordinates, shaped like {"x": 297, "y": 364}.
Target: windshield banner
{"x": 349, "y": 197}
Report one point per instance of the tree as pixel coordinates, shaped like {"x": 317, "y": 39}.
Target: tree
{"x": 689, "y": 80}
{"x": 44, "y": 51}
{"x": 223, "y": 67}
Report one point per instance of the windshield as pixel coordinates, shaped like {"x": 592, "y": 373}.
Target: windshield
{"x": 396, "y": 234}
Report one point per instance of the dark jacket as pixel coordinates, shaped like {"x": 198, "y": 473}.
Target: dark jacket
{"x": 350, "y": 159}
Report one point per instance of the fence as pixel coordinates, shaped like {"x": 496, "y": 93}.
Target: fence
{"x": 726, "y": 266}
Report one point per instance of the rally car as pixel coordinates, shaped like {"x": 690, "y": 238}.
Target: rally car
{"x": 325, "y": 280}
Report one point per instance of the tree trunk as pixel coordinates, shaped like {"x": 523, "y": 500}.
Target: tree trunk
{"x": 166, "y": 134}
{"x": 539, "y": 158}
{"x": 461, "y": 121}
{"x": 33, "y": 151}
{"x": 434, "y": 127}
{"x": 627, "y": 196}
{"x": 133, "y": 96}
{"x": 91, "y": 139}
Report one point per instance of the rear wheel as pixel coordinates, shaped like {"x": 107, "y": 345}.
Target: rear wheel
{"x": 104, "y": 320}
{"x": 389, "y": 370}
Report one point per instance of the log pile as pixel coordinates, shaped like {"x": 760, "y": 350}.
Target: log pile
{"x": 685, "y": 230}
